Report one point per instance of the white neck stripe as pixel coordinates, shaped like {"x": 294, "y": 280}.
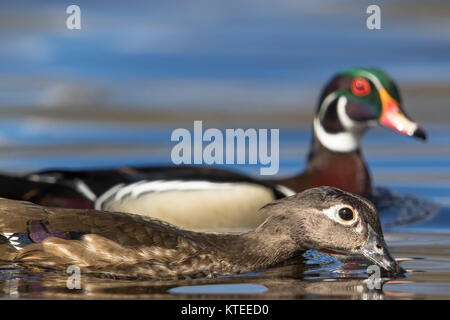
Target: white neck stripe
{"x": 346, "y": 141}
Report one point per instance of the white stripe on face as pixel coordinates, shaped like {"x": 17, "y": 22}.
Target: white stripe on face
{"x": 332, "y": 213}
{"x": 346, "y": 141}
{"x": 374, "y": 80}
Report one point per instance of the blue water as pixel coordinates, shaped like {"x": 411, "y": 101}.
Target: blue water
{"x": 415, "y": 171}
{"x": 395, "y": 161}
{"x": 209, "y": 54}
{"x": 229, "y": 57}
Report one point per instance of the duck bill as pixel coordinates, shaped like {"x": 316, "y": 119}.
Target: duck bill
{"x": 375, "y": 249}
{"x": 394, "y": 118}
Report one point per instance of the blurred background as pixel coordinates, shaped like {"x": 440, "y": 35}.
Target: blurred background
{"x": 111, "y": 93}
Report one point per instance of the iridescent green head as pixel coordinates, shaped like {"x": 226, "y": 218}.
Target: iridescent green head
{"x": 356, "y": 99}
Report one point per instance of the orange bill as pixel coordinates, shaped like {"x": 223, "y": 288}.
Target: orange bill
{"x": 393, "y": 117}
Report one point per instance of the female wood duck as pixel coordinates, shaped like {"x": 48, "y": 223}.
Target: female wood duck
{"x": 133, "y": 246}
{"x": 205, "y": 198}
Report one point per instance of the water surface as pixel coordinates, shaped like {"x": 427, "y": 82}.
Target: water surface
{"x": 111, "y": 94}
{"x": 416, "y": 173}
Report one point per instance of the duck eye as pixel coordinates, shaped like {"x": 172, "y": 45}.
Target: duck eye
{"x": 346, "y": 214}
{"x": 360, "y": 87}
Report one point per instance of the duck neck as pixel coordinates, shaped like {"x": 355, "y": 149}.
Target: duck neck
{"x": 334, "y": 160}
{"x": 340, "y": 142}
{"x": 333, "y": 128}
{"x": 268, "y": 245}
{"x": 344, "y": 169}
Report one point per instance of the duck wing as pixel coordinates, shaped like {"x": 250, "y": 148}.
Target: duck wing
{"x": 105, "y": 242}
{"x": 43, "y": 191}
{"x": 95, "y": 183}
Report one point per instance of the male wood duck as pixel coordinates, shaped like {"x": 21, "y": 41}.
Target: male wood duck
{"x": 201, "y": 198}
{"x": 133, "y": 246}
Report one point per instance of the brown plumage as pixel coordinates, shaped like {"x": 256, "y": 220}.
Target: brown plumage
{"x": 126, "y": 245}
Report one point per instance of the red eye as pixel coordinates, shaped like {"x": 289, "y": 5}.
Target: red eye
{"x": 360, "y": 87}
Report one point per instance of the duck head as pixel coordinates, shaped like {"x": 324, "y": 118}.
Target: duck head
{"x": 355, "y": 100}
{"x": 337, "y": 221}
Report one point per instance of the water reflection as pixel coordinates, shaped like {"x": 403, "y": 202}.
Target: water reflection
{"x": 314, "y": 276}
{"x": 270, "y": 285}
{"x": 159, "y": 62}
{"x": 417, "y": 226}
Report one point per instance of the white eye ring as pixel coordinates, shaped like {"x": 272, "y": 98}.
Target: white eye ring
{"x": 333, "y": 214}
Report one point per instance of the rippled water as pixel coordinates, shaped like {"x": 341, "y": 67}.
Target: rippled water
{"x": 415, "y": 179}
{"x": 193, "y": 59}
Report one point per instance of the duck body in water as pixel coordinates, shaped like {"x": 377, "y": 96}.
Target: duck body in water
{"x": 202, "y": 198}
{"x": 133, "y": 246}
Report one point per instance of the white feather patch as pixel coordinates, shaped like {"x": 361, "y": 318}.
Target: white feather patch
{"x": 135, "y": 190}
{"x": 287, "y": 192}
{"x": 84, "y": 189}
{"x": 340, "y": 142}
{"x": 12, "y": 240}
{"x": 198, "y": 205}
